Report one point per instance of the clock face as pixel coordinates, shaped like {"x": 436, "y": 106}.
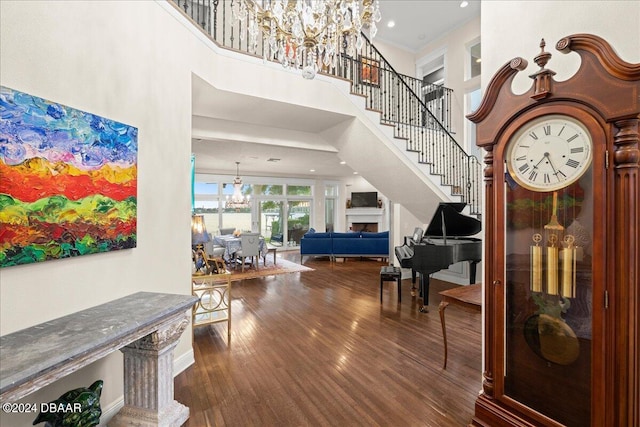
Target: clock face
{"x": 549, "y": 153}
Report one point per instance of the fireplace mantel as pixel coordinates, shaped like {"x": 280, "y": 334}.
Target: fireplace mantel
{"x": 365, "y": 212}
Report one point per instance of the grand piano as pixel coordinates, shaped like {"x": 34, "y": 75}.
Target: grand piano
{"x": 445, "y": 242}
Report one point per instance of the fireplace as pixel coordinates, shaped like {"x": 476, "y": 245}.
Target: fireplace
{"x": 370, "y": 227}
{"x": 367, "y": 219}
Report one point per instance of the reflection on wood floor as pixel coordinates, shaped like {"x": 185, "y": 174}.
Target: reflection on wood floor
{"x": 318, "y": 349}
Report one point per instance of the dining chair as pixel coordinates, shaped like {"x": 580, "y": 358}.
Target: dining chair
{"x": 249, "y": 248}
{"x": 212, "y": 254}
{"x": 213, "y": 250}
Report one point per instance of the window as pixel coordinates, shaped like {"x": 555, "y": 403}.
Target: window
{"x": 474, "y": 60}
{"x": 277, "y": 209}
{"x": 298, "y": 190}
{"x": 472, "y": 102}
{"x": 330, "y": 203}
{"x": 267, "y": 190}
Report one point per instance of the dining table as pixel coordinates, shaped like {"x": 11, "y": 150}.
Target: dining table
{"x": 233, "y": 244}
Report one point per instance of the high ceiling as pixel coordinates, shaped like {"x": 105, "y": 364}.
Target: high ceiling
{"x": 417, "y": 23}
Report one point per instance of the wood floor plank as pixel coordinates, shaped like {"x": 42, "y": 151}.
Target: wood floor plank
{"x": 318, "y": 348}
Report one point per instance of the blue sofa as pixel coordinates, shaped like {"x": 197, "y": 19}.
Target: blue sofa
{"x": 343, "y": 245}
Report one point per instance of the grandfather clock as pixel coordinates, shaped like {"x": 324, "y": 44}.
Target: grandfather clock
{"x": 562, "y": 298}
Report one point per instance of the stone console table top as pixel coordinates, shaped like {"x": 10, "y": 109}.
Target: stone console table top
{"x": 34, "y": 357}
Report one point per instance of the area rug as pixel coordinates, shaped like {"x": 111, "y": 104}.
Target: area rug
{"x": 282, "y": 266}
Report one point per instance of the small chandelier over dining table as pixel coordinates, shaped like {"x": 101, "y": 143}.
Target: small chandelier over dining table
{"x": 237, "y": 199}
{"x": 308, "y": 34}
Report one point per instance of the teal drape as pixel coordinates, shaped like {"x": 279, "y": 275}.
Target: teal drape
{"x": 193, "y": 183}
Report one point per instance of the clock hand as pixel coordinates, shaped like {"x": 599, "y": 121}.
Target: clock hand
{"x": 555, "y": 172}
{"x": 543, "y": 157}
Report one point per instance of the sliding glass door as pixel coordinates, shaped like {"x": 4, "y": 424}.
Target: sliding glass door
{"x": 297, "y": 221}
{"x": 270, "y": 219}
{"x": 281, "y": 212}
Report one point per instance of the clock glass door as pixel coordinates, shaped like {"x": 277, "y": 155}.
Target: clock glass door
{"x": 548, "y": 299}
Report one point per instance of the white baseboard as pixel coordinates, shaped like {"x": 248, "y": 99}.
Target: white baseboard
{"x": 183, "y": 362}
{"x": 111, "y": 411}
{"x": 179, "y": 364}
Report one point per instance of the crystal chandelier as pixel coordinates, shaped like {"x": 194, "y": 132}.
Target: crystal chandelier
{"x": 308, "y": 34}
{"x": 237, "y": 200}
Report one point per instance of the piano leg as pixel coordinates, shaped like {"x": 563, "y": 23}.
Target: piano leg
{"x": 472, "y": 272}
{"x": 424, "y": 292}
{"x": 413, "y": 282}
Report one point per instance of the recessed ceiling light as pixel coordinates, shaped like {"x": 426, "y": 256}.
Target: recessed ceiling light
{"x": 391, "y": 24}
{"x": 355, "y": 173}
{"x": 343, "y": 163}
{"x": 464, "y": 3}
{"x": 312, "y": 170}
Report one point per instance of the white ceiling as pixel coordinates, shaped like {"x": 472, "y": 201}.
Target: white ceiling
{"x": 299, "y": 148}
{"x": 417, "y": 24}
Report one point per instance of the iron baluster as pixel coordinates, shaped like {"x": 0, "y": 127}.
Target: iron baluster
{"x": 215, "y": 19}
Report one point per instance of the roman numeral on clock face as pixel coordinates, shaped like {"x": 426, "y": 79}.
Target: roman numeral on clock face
{"x": 577, "y": 150}
{"x": 524, "y": 168}
{"x": 571, "y": 138}
{"x": 573, "y": 163}
{"x": 547, "y": 130}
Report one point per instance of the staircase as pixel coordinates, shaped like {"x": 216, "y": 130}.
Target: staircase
{"x": 419, "y": 115}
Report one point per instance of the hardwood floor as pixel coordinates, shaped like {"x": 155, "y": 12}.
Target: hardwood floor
{"x": 318, "y": 349}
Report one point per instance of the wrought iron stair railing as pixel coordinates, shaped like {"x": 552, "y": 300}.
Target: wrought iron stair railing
{"x": 420, "y": 114}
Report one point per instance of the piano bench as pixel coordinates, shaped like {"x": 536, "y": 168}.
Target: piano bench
{"x": 391, "y": 273}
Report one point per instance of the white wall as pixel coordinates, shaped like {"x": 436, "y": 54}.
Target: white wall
{"x": 453, "y": 46}
{"x": 131, "y": 61}
{"x": 514, "y": 29}
{"x": 401, "y": 60}
{"x": 120, "y": 60}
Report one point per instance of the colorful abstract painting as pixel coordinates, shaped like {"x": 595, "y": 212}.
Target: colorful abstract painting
{"x": 68, "y": 181}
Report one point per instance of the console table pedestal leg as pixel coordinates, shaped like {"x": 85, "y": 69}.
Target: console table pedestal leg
{"x": 148, "y": 379}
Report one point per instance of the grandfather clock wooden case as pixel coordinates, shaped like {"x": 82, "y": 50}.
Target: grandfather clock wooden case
{"x": 562, "y": 316}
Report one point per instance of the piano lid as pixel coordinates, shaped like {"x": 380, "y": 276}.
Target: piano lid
{"x": 455, "y": 223}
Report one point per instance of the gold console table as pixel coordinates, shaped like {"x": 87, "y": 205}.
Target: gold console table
{"x": 214, "y": 299}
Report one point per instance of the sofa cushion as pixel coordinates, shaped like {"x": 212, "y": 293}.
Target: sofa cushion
{"x": 316, "y": 244}
{"x": 346, "y": 235}
{"x": 380, "y": 235}
{"x": 316, "y": 236}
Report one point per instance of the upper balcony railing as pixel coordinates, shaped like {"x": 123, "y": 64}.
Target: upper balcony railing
{"x": 420, "y": 114}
